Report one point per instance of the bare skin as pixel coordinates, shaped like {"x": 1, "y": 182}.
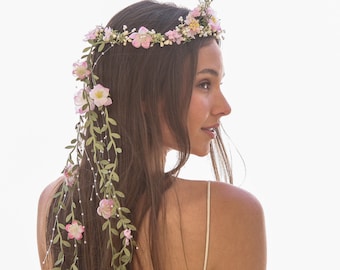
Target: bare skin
{"x": 44, "y": 204}
{"x": 237, "y": 230}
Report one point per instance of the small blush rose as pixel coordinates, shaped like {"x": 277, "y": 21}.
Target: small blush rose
{"x": 93, "y": 34}
{"x": 142, "y": 38}
{"x": 128, "y": 236}
{"x": 214, "y": 24}
{"x": 75, "y": 230}
{"x": 193, "y": 26}
{"x": 80, "y": 70}
{"x": 196, "y": 12}
{"x": 80, "y": 101}
{"x": 174, "y": 36}
{"x": 70, "y": 175}
{"x": 107, "y": 33}
{"x": 105, "y": 208}
{"x": 100, "y": 95}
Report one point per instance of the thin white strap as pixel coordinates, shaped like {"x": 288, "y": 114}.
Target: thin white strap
{"x": 208, "y": 229}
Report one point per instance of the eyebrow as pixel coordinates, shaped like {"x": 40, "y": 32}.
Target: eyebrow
{"x": 209, "y": 71}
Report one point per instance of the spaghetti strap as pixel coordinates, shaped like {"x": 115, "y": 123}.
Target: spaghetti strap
{"x": 208, "y": 229}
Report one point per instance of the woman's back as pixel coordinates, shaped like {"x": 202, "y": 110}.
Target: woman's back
{"x": 236, "y": 239}
{"x": 236, "y": 228}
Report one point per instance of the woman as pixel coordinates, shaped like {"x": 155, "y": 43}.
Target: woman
{"x": 151, "y": 84}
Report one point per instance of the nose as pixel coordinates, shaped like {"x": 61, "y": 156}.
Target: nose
{"x": 221, "y": 105}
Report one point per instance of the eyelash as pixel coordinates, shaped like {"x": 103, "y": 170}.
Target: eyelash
{"x": 205, "y": 85}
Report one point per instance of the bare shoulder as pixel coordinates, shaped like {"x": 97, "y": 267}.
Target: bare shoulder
{"x": 222, "y": 195}
{"x": 49, "y": 190}
{"x": 44, "y": 204}
{"x": 235, "y": 197}
{"x": 238, "y": 217}
{"x": 237, "y": 226}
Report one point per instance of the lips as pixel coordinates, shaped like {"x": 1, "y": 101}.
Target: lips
{"x": 211, "y": 131}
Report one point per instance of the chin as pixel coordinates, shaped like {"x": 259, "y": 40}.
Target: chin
{"x": 200, "y": 153}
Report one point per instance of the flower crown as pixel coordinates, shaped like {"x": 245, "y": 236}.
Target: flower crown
{"x": 101, "y": 138}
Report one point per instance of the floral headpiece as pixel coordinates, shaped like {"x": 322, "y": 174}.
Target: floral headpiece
{"x": 200, "y": 22}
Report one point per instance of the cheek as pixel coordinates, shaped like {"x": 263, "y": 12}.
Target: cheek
{"x": 198, "y": 109}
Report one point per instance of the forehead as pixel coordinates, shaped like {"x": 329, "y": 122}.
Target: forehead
{"x": 210, "y": 57}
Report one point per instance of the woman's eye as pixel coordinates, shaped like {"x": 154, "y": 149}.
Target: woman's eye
{"x": 205, "y": 85}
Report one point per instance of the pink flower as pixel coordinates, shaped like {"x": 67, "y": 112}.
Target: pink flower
{"x": 92, "y": 35}
{"x": 70, "y": 175}
{"x": 81, "y": 99}
{"x": 142, "y": 38}
{"x": 174, "y": 36}
{"x": 100, "y": 95}
{"x": 196, "y": 12}
{"x": 80, "y": 70}
{"x": 193, "y": 26}
{"x": 210, "y": 11}
{"x": 105, "y": 208}
{"x": 128, "y": 236}
{"x": 75, "y": 230}
{"x": 214, "y": 24}
{"x": 107, "y": 33}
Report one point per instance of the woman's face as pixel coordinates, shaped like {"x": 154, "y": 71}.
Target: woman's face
{"x": 207, "y": 104}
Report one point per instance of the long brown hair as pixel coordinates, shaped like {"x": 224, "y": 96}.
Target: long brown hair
{"x": 139, "y": 81}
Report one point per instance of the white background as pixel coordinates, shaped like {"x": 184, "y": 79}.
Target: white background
{"x": 282, "y": 61}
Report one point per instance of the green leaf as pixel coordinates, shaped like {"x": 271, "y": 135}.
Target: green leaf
{"x": 112, "y": 121}
{"x": 104, "y": 162}
{"x": 115, "y": 176}
{"x": 99, "y": 146}
{"x": 116, "y": 135}
{"x": 66, "y": 243}
{"x": 132, "y": 227}
{"x": 126, "y": 220}
{"x": 89, "y": 141}
{"x": 125, "y": 209}
{"x": 97, "y": 129}
{"x": 57, "y": 194}
{"x": 74, "y": 267}
{"x": 115, "y": 256}
{"x": 109, "y": 146}
{"x": 56, "y": 238}
{"x": 69, "y": 216}
{"x": 119, "y": 224}
{"x": 109, "y": 166}
{"x": 61, "y": 226}
{"x": 104, "y": 226}
{"x": 127, "y": 253}
{"x": 86, "y": 49}
{"x": 119, "y": 194}
{"x": 114, "y": 231}
{"x": 60, "y": 258}
{"x": 101, "y": 47}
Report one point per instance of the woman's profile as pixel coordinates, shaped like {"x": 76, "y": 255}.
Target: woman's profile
{"x": 150, "y": 82}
